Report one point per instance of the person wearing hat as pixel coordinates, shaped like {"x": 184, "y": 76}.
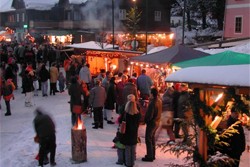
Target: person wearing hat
{"x": 152, "y": 120}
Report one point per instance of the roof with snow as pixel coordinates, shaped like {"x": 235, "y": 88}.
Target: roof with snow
{"x": 92, "y": 45}
{"x": 40, "y": 5}
{"x": 232, "y": 75}
{"x": 5, "y": 6}
{"x": 77, "y": 1}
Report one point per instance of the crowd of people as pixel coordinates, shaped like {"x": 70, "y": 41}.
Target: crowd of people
{"x": 104, "y": 95}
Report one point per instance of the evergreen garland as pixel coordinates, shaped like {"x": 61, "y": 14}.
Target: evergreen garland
{"x": 199, "y": 107}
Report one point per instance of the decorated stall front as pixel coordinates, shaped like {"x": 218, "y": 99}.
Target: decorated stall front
{"x": 215, "y": 90}
{"x": 102, "y": 56}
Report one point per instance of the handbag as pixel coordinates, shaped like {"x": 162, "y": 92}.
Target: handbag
{"x": 77, "y": 109}
{"x": 123, "y": 125}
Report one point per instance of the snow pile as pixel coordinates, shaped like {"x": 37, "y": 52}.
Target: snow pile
{"x": 243, "y": 48}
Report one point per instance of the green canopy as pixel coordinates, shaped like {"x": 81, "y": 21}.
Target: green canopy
{"x": 219, "y": 59}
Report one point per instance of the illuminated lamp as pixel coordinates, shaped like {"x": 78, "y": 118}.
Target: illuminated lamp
{"x": 171, "y": 36}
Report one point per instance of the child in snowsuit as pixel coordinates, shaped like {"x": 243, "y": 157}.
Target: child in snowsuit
{"x": 62, "y": 81}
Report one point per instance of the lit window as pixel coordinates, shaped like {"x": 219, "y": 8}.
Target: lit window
{"x": 122, "y": 14}
{"x": 157, "y": 15}
{"x": 238, "y": 24}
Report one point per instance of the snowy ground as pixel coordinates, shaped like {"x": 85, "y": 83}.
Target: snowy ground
{"x": 18, "y": 149}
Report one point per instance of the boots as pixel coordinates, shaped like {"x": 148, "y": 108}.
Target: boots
{"x": 96, "y": 126}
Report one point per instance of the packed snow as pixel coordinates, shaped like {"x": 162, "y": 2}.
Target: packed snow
{"x": 19, "y": 150}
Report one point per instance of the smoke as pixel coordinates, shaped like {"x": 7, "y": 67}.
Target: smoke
{"x": 98, "y": 15}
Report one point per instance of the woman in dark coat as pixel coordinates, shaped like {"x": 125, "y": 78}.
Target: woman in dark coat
{"x": 110, "y": 100}
{"x": 44, "y": 77}
{"x": 75, "y": 91}
{"x": 129, "y": 139}
{"x": 28, "y": 87}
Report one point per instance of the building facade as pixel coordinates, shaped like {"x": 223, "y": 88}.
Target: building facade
{"x": 83, "y": 19}
{"x": 237, "y": 22}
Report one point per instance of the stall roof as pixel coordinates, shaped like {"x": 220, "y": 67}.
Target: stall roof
{"x": 92, "y": 45}
{"x": 173, "y": 54}
{"x": 231, "y": 75}
{"x": 223, "y": 58}
{"x": 6, "y": 6}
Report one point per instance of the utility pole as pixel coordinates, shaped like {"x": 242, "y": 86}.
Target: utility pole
{"x": 113, "y": 24}
{"x": 183, "y": 21}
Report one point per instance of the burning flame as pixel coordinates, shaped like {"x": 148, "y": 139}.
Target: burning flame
{"x": 79, "y": 124}
{"x": 218, "y": 97}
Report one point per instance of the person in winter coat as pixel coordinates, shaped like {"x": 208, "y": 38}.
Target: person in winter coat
{"x": 53, "y": 78}
{"x": 129, "y": 88}
{"x": 237, "y": 141}
{"x": 152, "y": 120}
{"x": 129, "y": 139}
{"x": 119, "y": 92}
{"x": 45, "y": 132}
{"x": 28, "y": 87}
{"x": 96, "y": 100}
{"x": 182, "y": 108}
{"x": 144, "y": 83}
{"x": 7, "y": 89}
{"x": 44, "y": 76}
{"x": 75, "y": 91}
{"x": 110, "y": 101}
{"x": 85, "y": 75}
{"x": 167, "y": 114}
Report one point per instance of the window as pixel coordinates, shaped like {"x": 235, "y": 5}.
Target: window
{"x": 157, "y": 15}
{"x": 23, "y": 17}
{"x": 77, "y": 15}
{"x": 238, "y": 24}
{"x": 68, "y": 15}
{"x": 122, "y": 14}
{"x": 11, "y": 18}
{"x": 17, "y": 17}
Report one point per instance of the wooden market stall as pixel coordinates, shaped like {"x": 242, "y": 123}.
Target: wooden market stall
{"x": 102, "y": 56}
{"x": 212, "y": 81}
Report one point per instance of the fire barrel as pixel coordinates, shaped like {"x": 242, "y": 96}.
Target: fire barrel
{"x": 79, "y": 144}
